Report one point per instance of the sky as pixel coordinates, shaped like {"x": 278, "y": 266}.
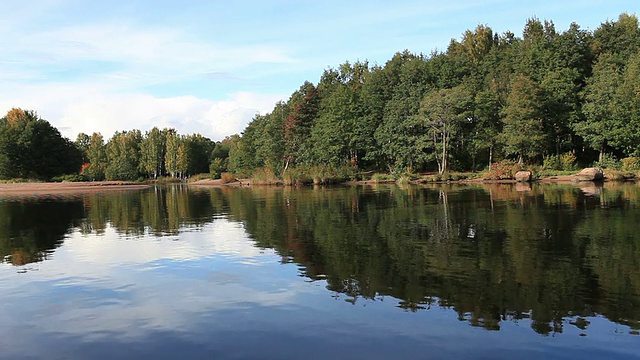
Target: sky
{"x": 209, "y": 66}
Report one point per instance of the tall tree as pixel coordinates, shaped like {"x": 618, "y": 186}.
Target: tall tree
{"x": 123, "y": 154}
{"x": 152, "y": 153}
{"x": 602, "y": 124}
{"x": 30, "y": 147}
{"x": 443, "y": 112}
{"x": 523, "y": 131}
{"x": 97, "y": 156}
{"x": 297, "y": 126}
{"x": 199, "y": 150}
{"x": 171, "y": 157}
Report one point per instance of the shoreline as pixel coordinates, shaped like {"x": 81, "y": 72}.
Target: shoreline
{"x": 27, "y": 189}
{"x": 559, "y": 179}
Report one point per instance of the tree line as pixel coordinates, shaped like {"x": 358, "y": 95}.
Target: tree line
{"x": 131, "y": 155}
{"x": 542, "y": 98}
{"x": 31, "y": 148}
{"x": 487, "y": 98}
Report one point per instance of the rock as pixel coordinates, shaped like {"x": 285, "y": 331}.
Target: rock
{"x": 523, "y": 176}
{"x": 590, "y": 174}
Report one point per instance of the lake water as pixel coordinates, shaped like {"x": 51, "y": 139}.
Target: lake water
{"x": 381, "y": 272}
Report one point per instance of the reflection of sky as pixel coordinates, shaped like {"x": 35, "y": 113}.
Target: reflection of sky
{"x": 209, "y": 293}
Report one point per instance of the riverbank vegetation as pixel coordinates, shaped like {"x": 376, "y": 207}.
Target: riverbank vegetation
{"x": 549, "y": 101}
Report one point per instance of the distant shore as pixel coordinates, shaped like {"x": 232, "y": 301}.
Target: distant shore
{"x": 65, "y": 188}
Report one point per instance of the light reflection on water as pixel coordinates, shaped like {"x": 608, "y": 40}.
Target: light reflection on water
{"x": 276, "y": 273}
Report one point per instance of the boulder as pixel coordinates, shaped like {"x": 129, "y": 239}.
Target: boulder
{"x": 590, "y": 174}
{"x": 523, "y": 176}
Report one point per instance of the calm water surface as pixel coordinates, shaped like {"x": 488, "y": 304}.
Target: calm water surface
{"x": 356, "y": 272}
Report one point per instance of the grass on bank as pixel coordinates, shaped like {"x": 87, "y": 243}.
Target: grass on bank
{"x": 304, "y": 175}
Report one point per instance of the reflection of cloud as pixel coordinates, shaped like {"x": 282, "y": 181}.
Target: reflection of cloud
{"x": 219, "y": 238}
{"x": 120, "y": 287}
{"x": 223, "y": 238}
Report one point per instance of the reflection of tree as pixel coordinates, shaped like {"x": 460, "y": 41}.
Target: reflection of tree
{"x": 494, "y": 255}
{"x": 159, "y": 211}
{"x": 29, "y": 229}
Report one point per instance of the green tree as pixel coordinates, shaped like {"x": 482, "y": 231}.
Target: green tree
{"x": 97, "y": 156}
{"x": 123, "y": 155}
{"x": 602, "y": 125}
{"x": 443, "y": 112}
{"x": 199, "y": 150}
{"x": 152, "y": 153}
{"x": 409, "y": 78}
{"x": 171, "y": 155}
{"x": 523, "y": 131}
{"x": 297, "y": 126}
{"x": 30, "y": 147}
{"x": 82, "y": 143}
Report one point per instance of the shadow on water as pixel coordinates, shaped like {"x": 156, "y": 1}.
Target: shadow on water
{"x": 494, "y": 253}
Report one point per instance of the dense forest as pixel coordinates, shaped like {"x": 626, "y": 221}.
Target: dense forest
{"x": 546, "y": 97}
{"x": 556, "y": 99}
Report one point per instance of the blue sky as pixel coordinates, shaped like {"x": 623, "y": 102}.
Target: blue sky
{"x": 209, "y": 66}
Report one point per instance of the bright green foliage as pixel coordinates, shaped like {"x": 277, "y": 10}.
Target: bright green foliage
{"x": 523, "y": 133}
{"x": 297, "y": 126}
{"x": 82, "y": 143}
{"x": 602, "y": 124}
{"x": 123, "y": 155}
{"x": 152, "y": 152}
{"x": 31, "y": 148}
{"x": 444, "y": 113}
{"x": 220, "y": 156}
{"x": 97, "y": 156}
{"x": 171, "y": 155}
{"x": 338, "y": 135}
{"x": 409, "y": 77}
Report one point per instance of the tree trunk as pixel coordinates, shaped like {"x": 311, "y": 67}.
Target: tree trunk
{"x": 435, "y": 150}
{"x": 444, "y": 153}
{"x": 490, "y": 156}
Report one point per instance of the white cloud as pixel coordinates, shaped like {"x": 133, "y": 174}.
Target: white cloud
{"x": 141, "y": 56}
{"x": 92, "y": 108}
{"x": 95, "y": 78}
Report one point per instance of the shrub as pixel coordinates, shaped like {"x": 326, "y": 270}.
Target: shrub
{"x": 198, "y": 177}
{"x": 563, "y": 162}
{"x": 70, "y": 178}
{"x": 226, "y": 178}
{"x": 327, "y": 174}
{"x": 502, "y": 170}
{"x": 403, "y": 179}
{"x": 617, "y": 175}
{"x": 630, "y": 163}
{"x": 297, "y": 176}
{"x": 608, "y": 162}
{"x": 380, "y": 178}
{"x": 217, "y": 167}
{"x": 264, "y": 176}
